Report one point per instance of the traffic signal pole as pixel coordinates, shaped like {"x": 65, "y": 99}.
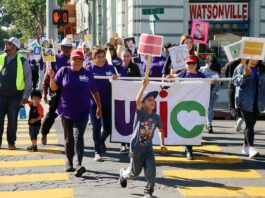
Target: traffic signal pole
{"x": 51, "y": 30}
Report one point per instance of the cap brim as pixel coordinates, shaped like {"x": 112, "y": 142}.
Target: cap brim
{"x": 152, "y": 93}
{"x": 77, "y": 57}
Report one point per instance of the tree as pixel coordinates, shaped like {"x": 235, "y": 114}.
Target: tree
{"x": 3, "y": 35}
{"x": 27, "y": 15}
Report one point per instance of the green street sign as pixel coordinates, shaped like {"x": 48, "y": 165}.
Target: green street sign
{"x": 158, "y": 11}
{"x": 147, "y": 11}
{"x": 150, "y": 11}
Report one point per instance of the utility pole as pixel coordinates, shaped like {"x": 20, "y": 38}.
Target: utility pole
{"x": 51, "y": 30}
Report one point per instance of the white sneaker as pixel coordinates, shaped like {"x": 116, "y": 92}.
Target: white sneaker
{"x": 238, "y": 125}
{"x": 253, "y": 152}
{"x": 245, "y": 150}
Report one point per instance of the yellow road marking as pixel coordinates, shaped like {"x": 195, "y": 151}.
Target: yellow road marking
{"x": 213, "y": 173}
{"x": 195, "y": 148}
{"x": 22, "y": 142}
{"x": 5, "y": 152}
{"x": 32, "y": 163}
{"x": 23, "y": 130}
{"x": 26, "y": 135}
{"x": 54, "y": 193}
{"x": 199, "y": 159}
{"x": 34, "y": 177}
{"x": 226, "y": 191}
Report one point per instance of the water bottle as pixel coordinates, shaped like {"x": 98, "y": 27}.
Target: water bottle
{"x": 22, "y": 112}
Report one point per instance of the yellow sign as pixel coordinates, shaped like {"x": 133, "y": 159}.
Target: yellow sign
{"x": 253, "y": 48}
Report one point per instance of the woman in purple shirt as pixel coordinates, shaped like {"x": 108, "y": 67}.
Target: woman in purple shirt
{"x": 101, "y": 68}
{"x": 191, "y": 71}
{"x": 75, "y": 83}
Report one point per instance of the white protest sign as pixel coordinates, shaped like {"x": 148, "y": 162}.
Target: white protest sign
{"x": 182, "y": 108}
{"x": 178, "y": 54}
{"x": 233, "y": 50}
{"x": 253, "y": 48}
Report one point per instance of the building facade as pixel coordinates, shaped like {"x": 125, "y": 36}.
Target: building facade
{"x": 237, "y": 17}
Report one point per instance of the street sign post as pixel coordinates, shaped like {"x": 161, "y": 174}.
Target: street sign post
{"x": 154, "y": 16}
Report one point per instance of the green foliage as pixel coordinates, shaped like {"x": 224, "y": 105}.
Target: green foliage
{"x": 28, "y": 16}
{"x": 3, "y": 35}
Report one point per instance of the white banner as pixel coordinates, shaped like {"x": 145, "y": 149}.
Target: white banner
{"x": 182, "y": 108}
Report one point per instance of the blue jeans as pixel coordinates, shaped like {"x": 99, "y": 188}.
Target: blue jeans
{"x": 74, "y": 139}
{"x": 98, "y": 137}
{"x": 9, "y": 106}
{"x": 34, "y": 131}
{"x": 139, "y": 161}
{"x": 213, "y": 99}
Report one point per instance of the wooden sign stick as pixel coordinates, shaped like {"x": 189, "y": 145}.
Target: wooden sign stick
{"x": 147, "y": 66}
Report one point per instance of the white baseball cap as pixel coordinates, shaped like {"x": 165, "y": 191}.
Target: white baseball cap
{"x": 67, "y": 42}
{"x": 15, "y": 41}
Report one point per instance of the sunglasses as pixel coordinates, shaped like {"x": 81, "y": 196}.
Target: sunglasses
{"x": 67, "y": 47}
{"x": 191, "y": 63}
{"x": 110, "y": 49}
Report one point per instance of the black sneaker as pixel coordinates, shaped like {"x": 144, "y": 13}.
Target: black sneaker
{"x": 210, "y": 129}
{"x": 123, "y": 150}
{"x": 123, "y": 182}
{"x": 80, "y": 170}
{"x": 147, "y": 195}
{"x": 32, "y": 148}
{"x": 189, "y": 154}
{"x": 69, "y": 167}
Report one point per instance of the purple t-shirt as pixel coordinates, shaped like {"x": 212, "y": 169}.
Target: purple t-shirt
{"x": 61, "y": 61}
{"x": 156, "y": 66}
{"x": 185, "y": 74}
{"x": 75, "y": 92}
{"x": 104, "y": 86}
{"x": 122, "y": 70}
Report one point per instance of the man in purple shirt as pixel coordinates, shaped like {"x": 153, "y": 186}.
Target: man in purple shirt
{"x": 62, "y": 59}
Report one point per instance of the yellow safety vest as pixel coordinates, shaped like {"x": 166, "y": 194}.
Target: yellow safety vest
{"x": 20, "y": 73}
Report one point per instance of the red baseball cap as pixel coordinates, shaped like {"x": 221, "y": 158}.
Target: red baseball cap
{"x": 191, "y": 59}
{"x": 77, "y": 54}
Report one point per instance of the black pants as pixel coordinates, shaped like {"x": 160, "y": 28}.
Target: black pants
{"x": 74, "y": 139}
{"x": 48, "y": 120}
{"x": 250, "y": 119}
{"x": 235, "y": 113}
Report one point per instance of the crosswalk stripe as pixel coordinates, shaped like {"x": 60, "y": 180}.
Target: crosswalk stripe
{"x": 27, "y": 130}
{"x": 199, "y": 159}
{"x": 34, "y": 177}
{"x": 54, "y": 193}
{"x": 32, "y": 163}
{"x": 20, "y": 125}
{"x": 213, "y": 173}
{"x": 53, "y": 150}
{"x": 226, "y": 191}
{"x": 195, "y": 148}
{"x": 22, "y": 142}
{"x": 26, "y": 135}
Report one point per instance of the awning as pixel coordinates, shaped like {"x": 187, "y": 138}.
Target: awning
{"x": 227, "y": 37}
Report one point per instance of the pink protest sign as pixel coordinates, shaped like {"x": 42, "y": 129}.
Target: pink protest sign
{"x": 199, "y": 31}
{"x": 150, "y": 45}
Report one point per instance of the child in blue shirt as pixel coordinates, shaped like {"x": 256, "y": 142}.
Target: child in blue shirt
{"x": 141, "y": 151}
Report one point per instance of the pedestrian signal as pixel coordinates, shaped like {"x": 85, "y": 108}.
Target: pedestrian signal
{"x": 60, "y": 17}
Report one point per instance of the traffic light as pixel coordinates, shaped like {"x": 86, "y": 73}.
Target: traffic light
{"x": 60, "y": 17}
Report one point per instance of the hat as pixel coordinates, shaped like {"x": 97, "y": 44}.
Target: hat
{"x": 191, "y": 59}
{"x": 14, "y": 41}
{"x": 77, "y": 54}
{"x": 67, "y": 42}
{"x": 151, "y": 93}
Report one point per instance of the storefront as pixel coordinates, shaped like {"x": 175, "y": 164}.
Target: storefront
{"x": 228, "y": 20}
